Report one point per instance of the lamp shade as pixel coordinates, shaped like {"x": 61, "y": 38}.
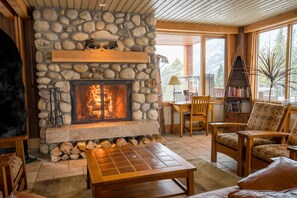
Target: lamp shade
{"x": 173, "y": 81}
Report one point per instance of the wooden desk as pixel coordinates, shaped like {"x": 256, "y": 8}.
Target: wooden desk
{"x": 183, "y": 107}
{"x": 138, "y": 171}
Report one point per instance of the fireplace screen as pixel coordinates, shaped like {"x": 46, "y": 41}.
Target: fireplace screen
{"x": 100, "y": 100}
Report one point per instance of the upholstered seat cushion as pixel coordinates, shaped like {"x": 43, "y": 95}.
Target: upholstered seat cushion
{"x": 266, "y": 152}
{"x": 231, "y": 140}
{"x": 16, "y": 163}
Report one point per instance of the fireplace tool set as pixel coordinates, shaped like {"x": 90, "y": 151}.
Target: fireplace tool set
{"x": 55, "y": 118}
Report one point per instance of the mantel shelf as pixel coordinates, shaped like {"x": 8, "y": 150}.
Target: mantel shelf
{"x": 102, "y": 56}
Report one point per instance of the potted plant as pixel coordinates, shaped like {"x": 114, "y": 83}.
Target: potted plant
{"x": 273, "y": 71}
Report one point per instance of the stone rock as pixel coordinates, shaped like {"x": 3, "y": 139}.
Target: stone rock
{"x": 139, "y": 31}
{"x": 64, "y": 86}
{"x": 85, "y": 15}
{"x": 65, "y": 107}
{"x": 70, "y": 28}
{"x": 112, "y": 28}
{"x": 40, "y": 26}
{"x": 86, "y": 75}
{"x": 70, "y": 75}
{"x": 81, "y": 146}
{"x": 80, "y": 68}
{"x": 65, "y": 66}
{"x": 89, "y": 27}
{"x": 129, "y": 42}
{"x": 136, "y": 19}
{"x": 90, "y": 145}
{"x": 64, "y": 20}
{"x": 151, "y": 35}
{"x": 108, "y": 74}
{"x": 79, "y": 46}
{"x": 55, "y": 159}
{"x": 56, "y": 151}
{"x": 36, "y": 15}
{"x": 83, "y": 155}
{"x": 141, "y": 67}
{"x": 121, "y": 142}
{"x": 42, "y": 43}
{"x": 152, "y": 114}
{"x": 108, "y": 17}
{"x": 119, "y": 20}
{"x": 150, "y": 98}
{"x": 127, "y": 73}
{"x": 41, "y": 104}
{"x": 44, "y": 93}
{"x": 159, "y": 138}
{"x": 155, "y": 105}
{"x": 129, "y": 25}
{"x": 71, "y": 14}
{"x": 75, "y": 150}
{"x": 77, "y": 22}
{"x": 80, "y": 36}
{"x": 66, "y": 147}
{"x": 137, "y": 115}
{"x": 155, "y": 90}
{"x": 58, "y": 45}
{"x": 74, "y": 156}
{"x": 42, "y": 123}
{"x": 135, "y": 106}
{"x": 54, "y": 75}
{"x": 49, "y": 14}
{"x": 150, "y": 20}
{"x": 105, "y": 144}
{"x": 56, "y": 27}
{"x": 50, "y": 36}
{"x": 68, "y": 45}
{"x": 142, "y": 41}
{"x": 65, "y": 97}
{"x": 37, "y": 35}
{"x": 43, "y": 114}
{"x": 124, "y": 33}
{"x": 139, "y": 98}
{"x": 145, "y": 90}
{"x": 65, "y": 157}
{"x": 120, "y": 46}
{"x": 153, "y": 42}
{"x": 43, "y": 80}
{"x": 127, "y": 17}
{"x": 150, "y": 50}
{"x": 100, "y": 25}
{"x": 66, "y": 119}
{"x": 44, "y": 149}
{"x": 64, "y": 35}
{"x": 145, "y": 107}
{"x": 142, "y": 75}
{"x": 41, "y": 74}
{"x": 135, "y": 86}
{"x": 154, "y": 73}
{"x": 104, "y": 35}
{"x": 119, "y": 14}
{"x": 116, "y": 67}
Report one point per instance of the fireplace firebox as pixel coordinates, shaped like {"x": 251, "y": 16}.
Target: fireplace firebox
{"x": 100, "y": 100}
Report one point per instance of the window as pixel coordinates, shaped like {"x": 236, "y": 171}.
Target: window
{"x": 293, "y": 77}
{"x": 271, "y": 43}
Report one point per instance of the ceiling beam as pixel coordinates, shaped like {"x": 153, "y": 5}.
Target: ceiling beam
{"x": 280, "y": 19}
{"x": 197, "y": 28}
{"x": 6, "y": 10}
{"x": 19, "y": 7}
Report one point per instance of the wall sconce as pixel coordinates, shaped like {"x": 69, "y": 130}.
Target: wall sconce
{"x": 173, "y": 81}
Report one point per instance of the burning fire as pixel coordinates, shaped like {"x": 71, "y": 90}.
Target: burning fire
{"x": 94, "y": 103}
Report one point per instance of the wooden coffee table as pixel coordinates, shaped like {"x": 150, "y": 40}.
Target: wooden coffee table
{"x": 138, "y": 171}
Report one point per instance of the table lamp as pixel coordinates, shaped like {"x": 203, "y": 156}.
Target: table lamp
{"x": 174, "y": 81}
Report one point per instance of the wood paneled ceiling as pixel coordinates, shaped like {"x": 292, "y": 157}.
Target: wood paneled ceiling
{"x": 211, "y": 12}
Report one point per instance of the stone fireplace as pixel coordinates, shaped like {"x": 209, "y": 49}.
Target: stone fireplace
{"x": 100, "y": 100}
{"x": 68, "y": 29}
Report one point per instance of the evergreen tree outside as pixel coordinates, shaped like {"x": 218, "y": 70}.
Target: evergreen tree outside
{"x": 219, "y": 81}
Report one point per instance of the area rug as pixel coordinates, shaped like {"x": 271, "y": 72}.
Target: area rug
{"x": 207, "y": 177}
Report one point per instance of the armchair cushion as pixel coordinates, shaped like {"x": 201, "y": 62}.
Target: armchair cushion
{"x": 280, "y": 175}
{"x": 266, "y": 152}
{"x": 231, "y": 140}
{"x": 265, "y": 116}
{"x": 16, "y": 164}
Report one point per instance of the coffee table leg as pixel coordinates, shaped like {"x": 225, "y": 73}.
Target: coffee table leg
{"x": 97, "y": 192}
{"x": 88, "y": 178}
{"x": 190, "y": 183}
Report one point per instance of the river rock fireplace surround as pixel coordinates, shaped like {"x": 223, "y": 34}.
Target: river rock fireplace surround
{"x": 68, "y": 29}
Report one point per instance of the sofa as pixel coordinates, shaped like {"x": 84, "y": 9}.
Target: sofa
{"x": 279, "y": 179}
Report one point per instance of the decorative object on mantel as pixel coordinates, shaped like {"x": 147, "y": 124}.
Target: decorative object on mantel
{"x": 91, "y": 44}
{"x": 67, "y": 150}
{"x": 99, "y": 56}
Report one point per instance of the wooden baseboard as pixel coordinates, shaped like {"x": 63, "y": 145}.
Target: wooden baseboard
{"x": 34, "y": 143}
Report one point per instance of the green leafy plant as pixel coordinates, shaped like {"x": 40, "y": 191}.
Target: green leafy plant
{"x": 273, "y": 70}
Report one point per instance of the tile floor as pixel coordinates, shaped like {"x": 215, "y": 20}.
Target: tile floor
{"x": 187, "y": 147}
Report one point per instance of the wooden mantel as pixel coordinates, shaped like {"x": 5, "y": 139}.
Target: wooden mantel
{"x": 103, "y": 56}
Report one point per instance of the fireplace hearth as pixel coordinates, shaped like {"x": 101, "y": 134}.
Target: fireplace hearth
{"x": 100, "y": 100}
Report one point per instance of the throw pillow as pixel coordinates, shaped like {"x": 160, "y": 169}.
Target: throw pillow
{"x": 280, "y": 175}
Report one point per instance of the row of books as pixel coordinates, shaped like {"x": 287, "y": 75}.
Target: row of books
{"x": 238, "y": 106}
{"x": 238, "y": 92}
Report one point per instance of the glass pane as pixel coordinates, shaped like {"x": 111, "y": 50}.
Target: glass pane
{"x": 197, "y": 67}
{"x": 293, "y": 78}
{"x": 175, "y": 56}
{"x": 271, "y": 44}
{"x": 215, "y": 67}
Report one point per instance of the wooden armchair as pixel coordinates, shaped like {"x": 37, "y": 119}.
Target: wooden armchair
{"x": 264, "y": 117}
{"x": 199, "y": 112}
{"x": 258, "y": 157}
{"x": 12, "y": 173}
